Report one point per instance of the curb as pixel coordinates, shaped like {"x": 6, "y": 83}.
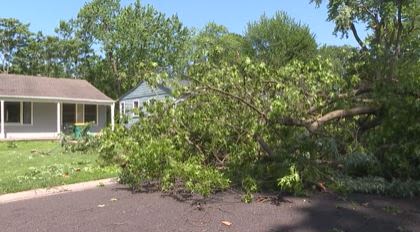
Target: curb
{"x": 44, "y": 192}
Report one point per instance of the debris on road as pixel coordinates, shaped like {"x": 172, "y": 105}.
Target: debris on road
{"x": 227, "y": 223}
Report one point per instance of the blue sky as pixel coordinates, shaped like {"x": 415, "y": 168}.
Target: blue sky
{"x": 44, "y": 15}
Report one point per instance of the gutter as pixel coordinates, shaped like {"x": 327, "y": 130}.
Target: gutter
{"x": 60, "y": 99}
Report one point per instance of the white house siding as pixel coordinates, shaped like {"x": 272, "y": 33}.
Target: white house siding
{"x": 44, "y": 124}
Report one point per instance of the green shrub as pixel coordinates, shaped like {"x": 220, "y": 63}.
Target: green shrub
{"x": 110, "y": 145}
{"x": 148, "y": 163}
{"x": 291, "y": 183}
{"x": 195, "y": 177}
{"x": 249, "y": 185}
{"x": 159, "y": 159}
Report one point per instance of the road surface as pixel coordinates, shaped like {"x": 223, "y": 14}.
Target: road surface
{"x": 114, "y": 208}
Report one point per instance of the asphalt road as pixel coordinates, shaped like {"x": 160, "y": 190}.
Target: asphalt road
{"x": 114, "y": 208}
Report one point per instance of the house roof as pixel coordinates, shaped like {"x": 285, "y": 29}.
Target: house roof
{"x": 143, "y": 89}
{"x": 47, "y": 88}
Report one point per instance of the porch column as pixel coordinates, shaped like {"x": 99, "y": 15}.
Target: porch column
{"x": 120, "y": 109}
{"x": 58, "y": 118}
{"x": 112, "y": 115}
{"x": 2, "y": 135}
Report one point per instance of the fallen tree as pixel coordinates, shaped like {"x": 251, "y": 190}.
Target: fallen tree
{"x": 253, "y": 125}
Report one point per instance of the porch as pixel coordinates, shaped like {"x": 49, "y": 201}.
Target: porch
{"x": 36, "y": 119}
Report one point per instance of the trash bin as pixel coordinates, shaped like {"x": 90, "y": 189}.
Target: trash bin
{"x": 78, "y": 129}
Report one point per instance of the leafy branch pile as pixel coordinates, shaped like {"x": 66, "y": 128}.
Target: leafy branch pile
{"x": 250, "y": 120}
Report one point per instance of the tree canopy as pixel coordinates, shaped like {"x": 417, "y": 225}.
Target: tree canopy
{"x": 13, "y": 36}
{"x": 132, "y": 37}
{"x": 280, "y": 39}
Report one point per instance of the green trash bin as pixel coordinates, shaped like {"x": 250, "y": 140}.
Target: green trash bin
{"x": 78, "y": 129}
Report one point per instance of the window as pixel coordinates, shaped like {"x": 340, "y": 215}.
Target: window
{"x": 18, "y": 112}
{"x": 27, "y": 112}
{"x": 136, "y": 108}
{"x": 122, "y": 108}
{"x": 91, "y": 113}
{"x": 69, "y": 113}
{"x": 12, "y": 110}
{"x": 79, "y": 113}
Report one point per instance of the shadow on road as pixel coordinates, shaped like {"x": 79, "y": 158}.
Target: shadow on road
{"x": 357, "y": 213}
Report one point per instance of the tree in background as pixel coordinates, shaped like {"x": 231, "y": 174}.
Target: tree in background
{"x": 341, "y": 57}
{"x": 61, "y": 55}
{"x": 132, "y": 39}
{"x": 214, "y": 43}
{"x": 111, "y": 46}
{"x": 14, "y": 35}
{"x": 280, "y": 39}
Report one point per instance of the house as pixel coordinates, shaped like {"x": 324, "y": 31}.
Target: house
{"x": 136, "y": 97}
{"x": 34, "y": 107}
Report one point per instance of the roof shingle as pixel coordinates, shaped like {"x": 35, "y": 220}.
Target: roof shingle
{"x": 37, "y": 87}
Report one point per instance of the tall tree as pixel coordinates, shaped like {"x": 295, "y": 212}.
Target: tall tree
{"x": 13, "y": 36}
{"x": 280, "y": 39}
{"x": 61, "y": 55}
{"x": 216, "y": 44}
{"x": 75, "y": 53}
{"x": 131, "y": 39}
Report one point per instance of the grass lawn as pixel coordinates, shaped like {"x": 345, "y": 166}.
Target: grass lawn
{"x": 36, "y": 164}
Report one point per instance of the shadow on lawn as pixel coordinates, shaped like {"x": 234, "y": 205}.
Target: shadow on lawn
{"x": 326, "y": 213}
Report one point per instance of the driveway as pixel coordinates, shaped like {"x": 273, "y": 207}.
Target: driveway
{"x": 114, "y": 208}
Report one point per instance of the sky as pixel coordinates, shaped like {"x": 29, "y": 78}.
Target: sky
{"x": 44, "y": 15}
